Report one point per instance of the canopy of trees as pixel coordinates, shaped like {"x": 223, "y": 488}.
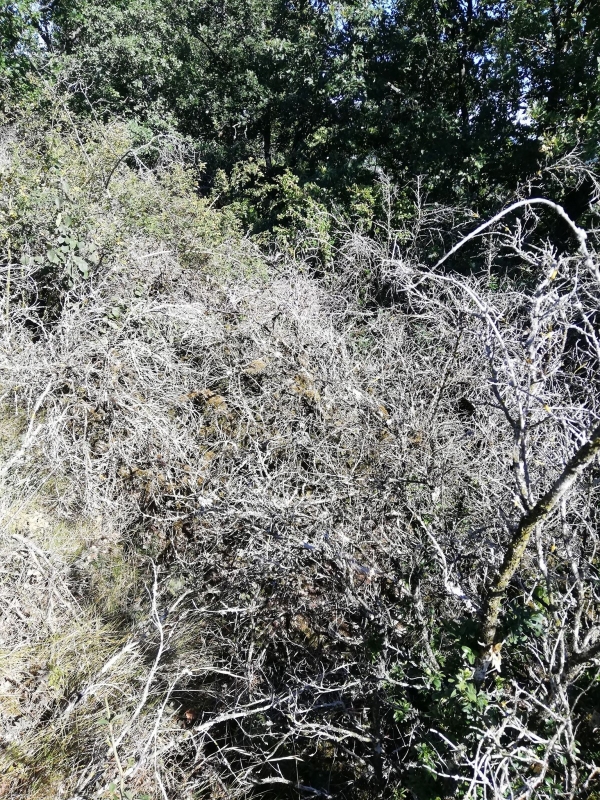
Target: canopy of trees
{"x": 474, "y": 96}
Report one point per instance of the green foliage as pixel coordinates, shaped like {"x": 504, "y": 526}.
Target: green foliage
{"x": 23, "y": 27}
{"x": 62, "y": 221}
{"x": 302, "y": 222}
{"x": 115, "y": 793}
{"x": 444, "y": 705}
{"x": 476, "y": 98}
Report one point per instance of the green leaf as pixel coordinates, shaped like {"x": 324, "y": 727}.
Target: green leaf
{"x": 82, "y": 264}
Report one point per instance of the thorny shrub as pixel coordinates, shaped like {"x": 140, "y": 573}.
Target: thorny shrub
{"x": 316, "y": 491}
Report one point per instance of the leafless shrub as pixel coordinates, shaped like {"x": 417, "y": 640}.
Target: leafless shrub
{"x": 319, "y": 493}
{"x": 234, "y": 430}
{"x": 542, "y": 350}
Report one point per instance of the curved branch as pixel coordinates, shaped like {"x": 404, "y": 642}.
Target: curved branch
{"x": 579, "y": 233}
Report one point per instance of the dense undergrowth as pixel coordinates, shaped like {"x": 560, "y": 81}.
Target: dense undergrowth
{"x": 252, "y": 509}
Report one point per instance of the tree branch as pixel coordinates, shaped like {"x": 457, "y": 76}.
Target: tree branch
{"x": 582, "y": 458}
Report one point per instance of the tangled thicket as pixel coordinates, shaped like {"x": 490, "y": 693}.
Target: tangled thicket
{"x": 273, "y": 502}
